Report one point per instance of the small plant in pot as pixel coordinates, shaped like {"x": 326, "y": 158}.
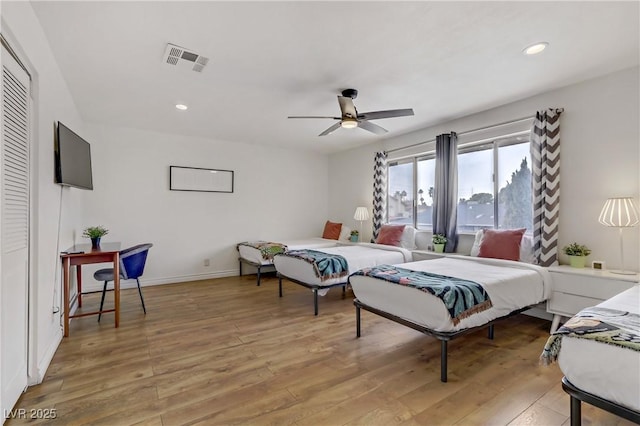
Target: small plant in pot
{"x": 439, "y": 241}
{"x": 354, "y": 236}
{"x": 95, "y": 233}
{"x": 577, "y": 254}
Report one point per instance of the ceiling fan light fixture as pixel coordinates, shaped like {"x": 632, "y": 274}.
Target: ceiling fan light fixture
{"x": 534, "y": 49}
{"x": 349, "y": 123}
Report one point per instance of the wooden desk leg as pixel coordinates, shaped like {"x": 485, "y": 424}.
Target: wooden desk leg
{"x": 79, "y": 281}
{"x": 65, "y": 288}
{"x": 116, "y": 286}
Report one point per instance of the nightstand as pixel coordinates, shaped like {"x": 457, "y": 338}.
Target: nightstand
{"x": 577, "y": 288}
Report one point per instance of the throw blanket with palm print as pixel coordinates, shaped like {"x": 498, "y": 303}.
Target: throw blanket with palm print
{"x": 267, "y": 249}
{"x": 604, "y": 325}
{"x": 325, "y": 265}
{"x": 462, "y": 298}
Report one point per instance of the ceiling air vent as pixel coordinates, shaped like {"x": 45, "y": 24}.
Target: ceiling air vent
{"x": 183, "y": 58}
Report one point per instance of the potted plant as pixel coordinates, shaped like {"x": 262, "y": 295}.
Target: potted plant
{"x": 354, "y": 236}
{"x": 95, "y": 233}
{"x": 439, "y": 241}
{"x": 577, "y": 254}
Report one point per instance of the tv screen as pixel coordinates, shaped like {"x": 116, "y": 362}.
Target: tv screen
{"x": 73, "y": 159}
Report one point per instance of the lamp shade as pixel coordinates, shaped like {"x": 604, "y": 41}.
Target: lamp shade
{"x": 619, "y": 212}
{"x": 361, "y": 213}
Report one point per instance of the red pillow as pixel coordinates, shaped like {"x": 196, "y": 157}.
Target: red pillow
{"x": 504, "y": 244}
{"x": 332, "y": 230}
{"x": 390, "y": 235}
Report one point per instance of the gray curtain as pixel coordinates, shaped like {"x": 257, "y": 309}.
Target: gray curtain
{"x": 445, "y": 199}
{"x": 545, "y": 181}
{"x": 379, "y": 192}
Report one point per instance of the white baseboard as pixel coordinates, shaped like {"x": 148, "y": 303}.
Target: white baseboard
{"x": 125, "y": 284}
{"x": 539, "y": 312}
{"x": 43, "y": 364}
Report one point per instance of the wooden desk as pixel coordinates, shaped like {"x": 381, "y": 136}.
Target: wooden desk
{"x": 83, "y": 254}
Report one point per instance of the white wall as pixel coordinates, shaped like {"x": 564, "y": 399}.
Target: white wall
{"x": 52, "y": 102}
{"x": 279, "y": 194}
{"x": 600, "y": 158}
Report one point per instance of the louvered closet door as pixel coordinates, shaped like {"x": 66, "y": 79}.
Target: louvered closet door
{"x": 14, "y": 231}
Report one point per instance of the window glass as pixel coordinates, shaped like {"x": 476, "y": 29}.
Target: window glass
{"x": 475, "y": 189}
{"x": 426, "y": 184}
{"x": 515, "y": 208}
{"x": 400, "y": 194}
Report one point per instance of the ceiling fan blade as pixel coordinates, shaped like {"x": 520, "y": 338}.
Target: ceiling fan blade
{"x": 330, "y": 129}
{"x": 347, "y": 107}
{"x": 373, "y": 128}
{"x": 313, "y": 116}
{"x": 376, "y": 115}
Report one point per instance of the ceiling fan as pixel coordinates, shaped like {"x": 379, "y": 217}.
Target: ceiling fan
{"x": 351, "y": 118}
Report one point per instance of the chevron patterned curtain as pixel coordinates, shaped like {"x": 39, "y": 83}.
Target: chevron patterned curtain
{"x": 545, "y": 158}
{"x": 379, "y": 192}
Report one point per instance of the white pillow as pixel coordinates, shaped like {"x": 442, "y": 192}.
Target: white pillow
{"x": 345, "y": 233}
{"x": 526, "y": 247}
{"x": 408, "y": 239}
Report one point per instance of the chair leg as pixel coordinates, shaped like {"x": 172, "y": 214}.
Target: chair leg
{"x": 141, "y": 298}
{"x": 104, "y": 292}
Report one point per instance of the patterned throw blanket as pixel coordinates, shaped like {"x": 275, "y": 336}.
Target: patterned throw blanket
{"x": 604, "y": 325}
{"x": 325, "y": 265}
{"x": 267, "y": 249}
{"x": 462, "y": 298}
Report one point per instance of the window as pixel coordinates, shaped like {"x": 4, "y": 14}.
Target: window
{"x": 426, "y": 183}
{"x": 400, "y": 194}
{"x": 503, "y": 202}
{"x": 494, "y": 187}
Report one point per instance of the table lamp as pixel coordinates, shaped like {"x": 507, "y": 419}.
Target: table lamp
{"x": 361, "y": 215}
{"x": 620, "y": 213}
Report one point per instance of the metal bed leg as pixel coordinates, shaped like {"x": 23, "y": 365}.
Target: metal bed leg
{"x": 240, "y": 263}
{"x": 443, "y": 361}
{"x": 357, "y": 321}
{"x": 259, "y": 268}
{"x": 315, "y": 301}
{"x": 576, "y": 412}
{"x": 491, "y": 332}
{"x": 280, "y": 285}
{"x": 344, "y": 291}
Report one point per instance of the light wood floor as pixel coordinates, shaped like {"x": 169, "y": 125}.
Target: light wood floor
{"x": 227, "y": 352}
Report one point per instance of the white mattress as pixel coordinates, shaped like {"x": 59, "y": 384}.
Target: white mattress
{"x": 608, "y": 371}
{"x": 253, "y": 254}
{"x": 358, "y": 256}
{"x": 510, "y": 285}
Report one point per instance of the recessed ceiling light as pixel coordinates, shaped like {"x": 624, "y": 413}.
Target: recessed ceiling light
{"x": 534, "y": 49}
{"x": 181, "y": 107}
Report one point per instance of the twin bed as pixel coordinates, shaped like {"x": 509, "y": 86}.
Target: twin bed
{"x": 258, "y": 255}
{"x": 598, "y": 351}
{"x": 299, "y": 266}
{"x": 510, "y": 287}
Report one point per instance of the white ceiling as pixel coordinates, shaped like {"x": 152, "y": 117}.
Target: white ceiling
{"x": 269, "y": 60}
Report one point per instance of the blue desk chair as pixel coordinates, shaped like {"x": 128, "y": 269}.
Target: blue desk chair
{"x": 132, "y": 261}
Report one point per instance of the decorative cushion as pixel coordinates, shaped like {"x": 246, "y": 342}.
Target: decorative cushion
{"x": 331, "y": 230}
{"x": 408, "y": 239}
{"x": 390, "y": 235}
{"x": 526, "y": 247}
{"x": 345, "y": 233}
{"x": 501, "y": 244}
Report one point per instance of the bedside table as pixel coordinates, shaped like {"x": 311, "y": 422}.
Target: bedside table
{"x": 577, "y": 288}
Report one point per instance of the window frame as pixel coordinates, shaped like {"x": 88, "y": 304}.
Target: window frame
{"x": 495, "y": 144}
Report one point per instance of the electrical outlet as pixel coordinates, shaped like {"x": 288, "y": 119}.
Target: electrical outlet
{"x": 206, "y": 262}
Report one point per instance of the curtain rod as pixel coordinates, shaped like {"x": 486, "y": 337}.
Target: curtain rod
{"x": 466, "y": 132}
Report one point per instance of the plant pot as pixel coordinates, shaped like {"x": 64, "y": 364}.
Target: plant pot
{"x": 577, "y": 261}
{"x": 354, "y": 238}
{"x": 95, "y": 243}
{"x": 438, "y": 248}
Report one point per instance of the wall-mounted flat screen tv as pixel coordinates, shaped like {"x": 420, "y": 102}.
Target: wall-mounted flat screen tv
{"x": 73, "y": 159}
